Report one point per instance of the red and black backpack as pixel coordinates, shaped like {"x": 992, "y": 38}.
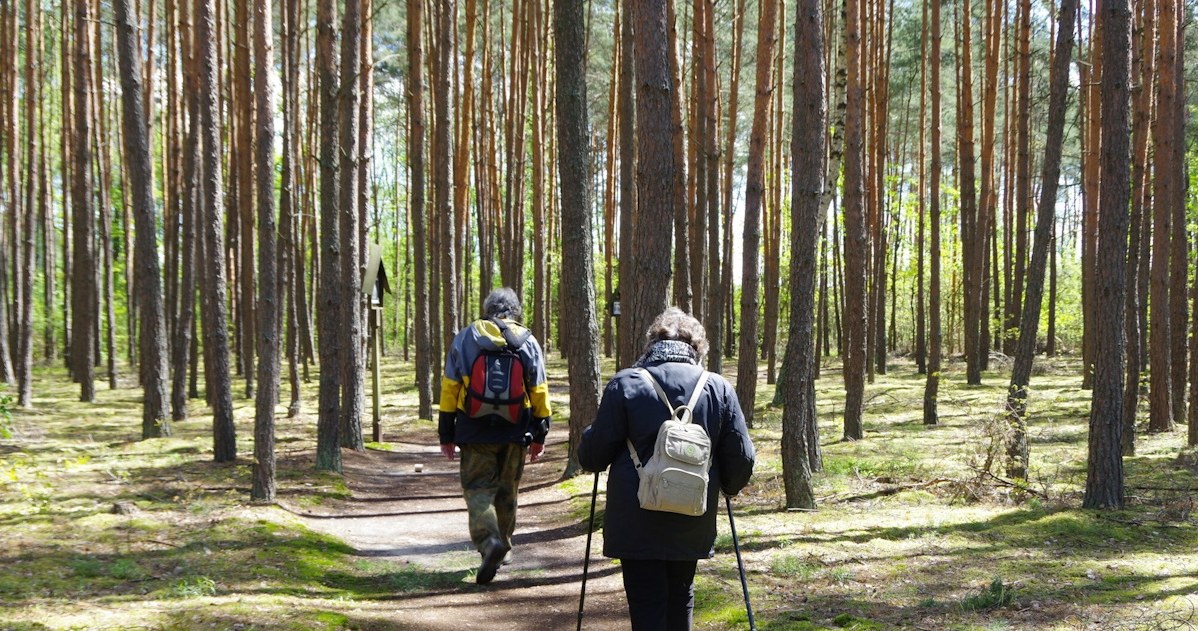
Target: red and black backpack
{"x": 497, "y": 379}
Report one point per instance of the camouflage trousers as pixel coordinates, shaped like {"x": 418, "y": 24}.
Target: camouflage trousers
{"x": 491, "y": 475}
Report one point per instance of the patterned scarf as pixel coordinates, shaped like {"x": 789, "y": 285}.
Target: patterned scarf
{"x": 668, "y": 351}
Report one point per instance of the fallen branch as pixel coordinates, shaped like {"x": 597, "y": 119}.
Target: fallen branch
{"x": 888, "y": 491}
{"x": 1008, "y": 483}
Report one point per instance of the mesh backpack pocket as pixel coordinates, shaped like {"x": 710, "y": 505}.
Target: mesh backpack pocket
{"x": 674, "y": 479}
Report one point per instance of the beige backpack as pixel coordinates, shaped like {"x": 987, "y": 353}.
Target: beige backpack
{"x": 674, "y": 480}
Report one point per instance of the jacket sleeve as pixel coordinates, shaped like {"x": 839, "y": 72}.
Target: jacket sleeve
{"x": 451, "y": 390}
{"x": 736, "y": 452}
{"x": 604, "y": 439}
{"x": 538, "y": 388}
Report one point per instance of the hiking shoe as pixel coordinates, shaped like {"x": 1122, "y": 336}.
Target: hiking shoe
{"x": 507, "y": 558}
{"x": 492, "y": 557}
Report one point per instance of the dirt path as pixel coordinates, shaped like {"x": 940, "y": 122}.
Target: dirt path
{"x": 420, "y": 518}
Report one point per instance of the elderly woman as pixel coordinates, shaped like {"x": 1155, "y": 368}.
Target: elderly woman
{"x": 658, "y": 551}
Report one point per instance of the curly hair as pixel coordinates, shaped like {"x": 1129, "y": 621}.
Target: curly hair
{"x": 676, "y": 324}
{"x": 502, "y": 303}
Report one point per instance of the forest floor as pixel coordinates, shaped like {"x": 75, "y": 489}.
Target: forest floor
{"x": 101, "y": 530}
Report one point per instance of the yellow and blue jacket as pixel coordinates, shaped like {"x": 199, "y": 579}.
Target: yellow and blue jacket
{"x": 454, "y": 426}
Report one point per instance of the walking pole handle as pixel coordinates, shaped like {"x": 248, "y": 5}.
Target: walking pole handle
{"x": 740, "y": 565}
{"x": 586, "y": 563}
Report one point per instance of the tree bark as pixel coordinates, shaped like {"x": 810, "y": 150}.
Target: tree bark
{"x": 268, "y": 288}
{"x": 972, "y": 238}
{"x": 330, "y": 308}
{"x": 290, "y": 262}
{"x": 716, "y": 294}
{"x": 424, "y": 357}
{"x": 213, "y": 292}
{"x": 1163, "y": 197}
{"x": 855, "y": 240}
{"x": 244, "y": 184}
{"x": 609, "y": 197}
{"x": 443, "y": 13}
{"x": 1104, "y": 470}
{"x": 181, "y": 350}
{"x": 683, "y": 297}
{"x": 1017, "y": 449}
{"x": 646, "y": 289}
{"x": 152, "y": 355}
{"x": 808, "y": 160}
{"x": 931, "y": 391}
{"x": 746, "y": 376}
{"x": 25, "y": 214}
{"x": 578, "y": 315}
{"x": 353, "y": 359}
{"x": 628, "y": 336}
{"x": 83, "y": 263}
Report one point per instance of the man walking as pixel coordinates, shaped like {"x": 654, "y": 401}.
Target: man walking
{"x": 494, "y": 408}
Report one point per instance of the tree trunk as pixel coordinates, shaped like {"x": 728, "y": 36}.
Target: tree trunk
{"x": 683, "y": 293}
{"x": 921, "y": 327}
{"x": 609, "y": 197}
{"x": 192, "y": 192}
{"x": 268, "y": 288}
{"x": 152, "y": 356}
{"x": 1023, "y": 163}
{"x": 1017, "y": 449}
{"x": 746, "y": 376}
{"x": 1179, "y": 244}
{"x": 24, "y": 213}
{"x": 628, "y": 336}
{"x": 855, "y": 240}
{"x": 646, "y": 289}
{"x": 424, "y": 358}
{"x": 972, "y": 238}
{"x": 931, "y": 391}
{"x": 353, "y": 359}
{"x": 1142, "y": 65}
{"x": 331, "y": 307}
{"x": 100, "y": 140}
{"x": 443, "y": 13}
{"x": 290, "y": 263}
{"x": 83, "y": 258}
{"x": 1104, "y": 471}
{"x": 1164, "y": 196}
{"x": 697, "y": 174}
{"x": 213, "y": 292}
{"x": 9, "y": 196}
{"x": 716, "y": 294}
{"x": 807, "y": 156}
{"x": 573, "y": 130}
{"x": 244, "y": 184}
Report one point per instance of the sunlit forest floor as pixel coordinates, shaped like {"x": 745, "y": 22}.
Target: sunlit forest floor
{"x": 99, "y": 529}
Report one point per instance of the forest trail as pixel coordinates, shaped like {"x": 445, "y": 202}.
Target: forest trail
{"x": 419, "y": 518}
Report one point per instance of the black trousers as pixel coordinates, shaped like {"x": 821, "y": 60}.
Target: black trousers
{"x": 661, "y": 594}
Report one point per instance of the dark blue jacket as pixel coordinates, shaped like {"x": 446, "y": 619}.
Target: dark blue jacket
{"x": 631, "y": 409}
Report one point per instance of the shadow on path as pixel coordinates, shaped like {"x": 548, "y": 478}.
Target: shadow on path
{"x": 418, "y": 517}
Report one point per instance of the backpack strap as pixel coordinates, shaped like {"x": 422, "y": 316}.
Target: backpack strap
{"x": 661, "y": 394}
{"x": 702, "y": 383}
{"x": 513, "y": 340}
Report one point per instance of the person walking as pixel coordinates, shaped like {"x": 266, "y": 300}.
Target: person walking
{"x": 659, "y": 551}
{"x": 494, "y": 408}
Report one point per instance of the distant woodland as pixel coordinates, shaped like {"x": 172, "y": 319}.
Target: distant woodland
{"x": 190, "y": 194}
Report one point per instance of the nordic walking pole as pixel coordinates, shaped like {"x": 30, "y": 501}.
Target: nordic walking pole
{"x": 740, "y": 565}
{"x": 586, "y": 562}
